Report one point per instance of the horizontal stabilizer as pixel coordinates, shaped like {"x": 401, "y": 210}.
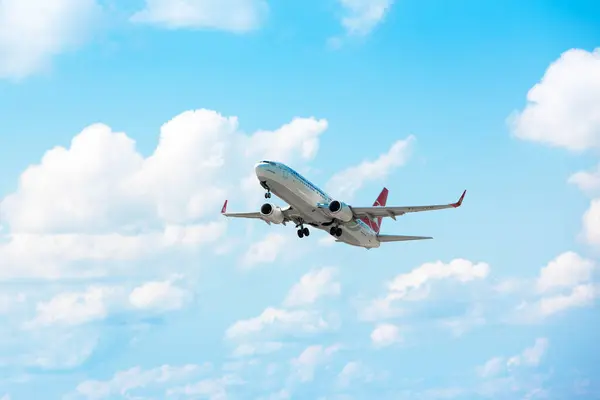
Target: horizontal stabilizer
{"x": 400, "y": 238}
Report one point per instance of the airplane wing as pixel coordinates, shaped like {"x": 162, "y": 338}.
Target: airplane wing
{"x": 400, "y": 238}
{"x": 287, "y": 214}
{"x": 393, "y": 212}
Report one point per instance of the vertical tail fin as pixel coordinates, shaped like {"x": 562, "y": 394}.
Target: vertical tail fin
{"x": 380, "y": 202}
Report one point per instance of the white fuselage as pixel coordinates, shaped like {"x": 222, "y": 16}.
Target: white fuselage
{"x": 304, "y": 197}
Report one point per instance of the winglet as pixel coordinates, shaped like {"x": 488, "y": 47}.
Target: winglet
{"x": 459, "y": 202}
{"x": 224, "y": 209}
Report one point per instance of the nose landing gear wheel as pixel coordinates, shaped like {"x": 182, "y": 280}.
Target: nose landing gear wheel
{"x": 268, "y": 195}
{"x": 338, "y": 232}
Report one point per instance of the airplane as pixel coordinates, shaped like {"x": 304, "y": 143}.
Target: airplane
{"x": 309, "y": 205}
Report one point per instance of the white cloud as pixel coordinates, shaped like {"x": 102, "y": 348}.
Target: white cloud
{"x": 102, "y": 184}
{"x": 134, "y": 378}
{"x": 356, "y": 373}
{"x": 415, "y": 285}
{"x": 158, "y": 295}
{"x": 53, "y": 256}
{"x": 248, "y": 350}
{"x": 385, "y": 335}
{"x": 33, "y": 31}
{"x": 5, "y": 397}
{"x": 265, "y": 251}
{"x": 274, "y": 320}
{"x": 569, "y": 274}
{"x": 563, "y": 108}
{"x": 305, "y": 364}
{"x": 458, "y": 269}
{"x": 312, "y": 286}
{"x": 566, "y": 270}
{"x": 52, "y": 348}
{"x": 347, "y": 182}
{"x": 591, "y": 223}
{"x": 100, "y": 199}
{"x": 362, "y": 16}
{"x": 73, "y": 308}
{"x": 531, "y": 356}
{"x": 492, "y": 367}
{"x": 587, "y": 181}
{"x": 580, "y": 296}
{"x": 238, "y": 16}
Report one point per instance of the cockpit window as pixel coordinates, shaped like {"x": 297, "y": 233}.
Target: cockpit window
{"x": 268, "y": 162}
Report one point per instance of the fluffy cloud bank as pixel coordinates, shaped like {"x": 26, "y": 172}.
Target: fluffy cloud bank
{"x": 562, "y": 109}
{"x": 100, "y": 199}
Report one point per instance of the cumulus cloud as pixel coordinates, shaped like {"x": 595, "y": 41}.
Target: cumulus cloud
{"x": 346, "y": 183}
{"x": 459, "y": 269}
{"x": 591, "y": 223}
{"x": 312, "y": 286}
{"x": 291, "y": 318}
{"x": 158, "y": 295}
{"x": 73, "y": 308}
{"x": 416, "y": 285}
{"x": 580, "y": 296}
{"x": 492, "y": 367}
{"x": 566, "y": 270}
{"x": 100, "y": 199}
{"x": 362, "y": 16}
{"x": 385, "y": 335}
{"x": 276, "y": 320}
{"x": 238, "y": 16}
{"x": 265, "y": 251}
{"x": 565, "y": 282}
{"x": 562, "y": 109}
{"x": 305, "y": 364}
{"x": 530, "y": 357}
{"x": 124, "y": 382}
{"x": 587, "y": 181}
{"x": 33, "y": 31}
{"x": 48, "y": 348}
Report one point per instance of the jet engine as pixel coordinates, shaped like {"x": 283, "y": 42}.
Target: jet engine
{"x": 340, "y": 211}
{"x": 272, "y": 213}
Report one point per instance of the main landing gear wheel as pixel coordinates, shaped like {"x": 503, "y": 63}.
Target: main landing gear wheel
{"x": 303, "y": 232}
{"x": 268, "y": 195}
{"x": 335, "y": 231}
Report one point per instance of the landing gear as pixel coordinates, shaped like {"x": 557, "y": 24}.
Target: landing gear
{"x": 303, "y": 232}
{"x": 268, "y": 195}
{"x": 335, "y": 231}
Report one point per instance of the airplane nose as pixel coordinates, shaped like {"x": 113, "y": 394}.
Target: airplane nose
{"x": 260, "y": 169}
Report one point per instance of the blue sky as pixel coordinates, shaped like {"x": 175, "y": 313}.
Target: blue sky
{"x": 125, "y": 128}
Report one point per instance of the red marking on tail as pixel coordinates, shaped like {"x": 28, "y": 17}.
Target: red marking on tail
{"x": 224, "y": 209}
{"x": 380, "y": 202}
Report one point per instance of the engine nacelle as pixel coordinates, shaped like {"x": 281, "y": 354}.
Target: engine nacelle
{"x": 340, "y": 211}
{"x": 272, "y": 213}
